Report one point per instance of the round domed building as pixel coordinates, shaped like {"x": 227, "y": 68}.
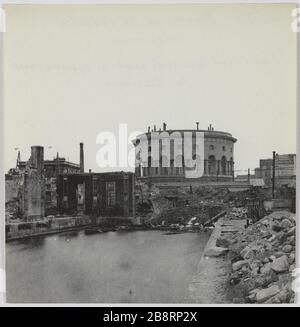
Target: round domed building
{"x": 166, "y": 155}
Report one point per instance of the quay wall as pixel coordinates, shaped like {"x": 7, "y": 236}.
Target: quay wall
{"x": 15, "y": 230}
{"x": 18, "y": 230}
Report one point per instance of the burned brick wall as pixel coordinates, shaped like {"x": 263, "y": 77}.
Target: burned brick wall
{"x": 34, "y": 195}
{"x": 105, "y": 194}
{"x": 111, "y": 196}
{"x": 25, "y": 189}
{"x": 13, "y": 196}
{"x": 50, "y": 196}
{"x": 70, "y": 200}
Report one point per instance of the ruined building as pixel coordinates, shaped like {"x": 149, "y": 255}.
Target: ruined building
{"x": 39, "y": 188}
{"x": 152, "y": 163}
{"x": 55, "y": 167}
{"x": 30, "y": 188}
{"x": 98, "y": 194}
{"x": 25, "y": 190}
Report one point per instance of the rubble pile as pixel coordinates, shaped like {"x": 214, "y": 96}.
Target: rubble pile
{"x": 263, "y": 259}
{"x": 212, "y": 193}
{"x": 237, "y": 213}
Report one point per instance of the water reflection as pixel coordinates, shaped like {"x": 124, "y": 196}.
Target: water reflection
{"x": 30, "y": 243}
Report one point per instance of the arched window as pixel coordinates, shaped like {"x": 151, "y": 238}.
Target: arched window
{"x": 211, "y": 165}
{"x": 223, "y": 165}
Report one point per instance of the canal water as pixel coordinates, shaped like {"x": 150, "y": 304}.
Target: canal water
{"x": 114, "y": 267}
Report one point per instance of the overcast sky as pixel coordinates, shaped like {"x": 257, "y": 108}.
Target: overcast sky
{"x": 71, "y": 72}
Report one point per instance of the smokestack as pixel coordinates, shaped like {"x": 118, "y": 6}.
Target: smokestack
{"x": 197, "y": 123}
{"x": 81, "y": 158}
{"x": 18, "y": 159}
{"x": 37, "y": 158}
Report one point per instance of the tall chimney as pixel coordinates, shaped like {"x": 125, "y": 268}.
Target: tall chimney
{"x": 37, "y": 158}
{"x": 197, "y": 123}
{"x": 18, "y": 159}
{"x": 81, "y": 158}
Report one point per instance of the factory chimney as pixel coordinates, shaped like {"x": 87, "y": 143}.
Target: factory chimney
{"x": 37, "y": 158}
{"x": 81, "y": 158}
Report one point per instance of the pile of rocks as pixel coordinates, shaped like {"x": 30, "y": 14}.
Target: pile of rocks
{"x": 237, "y": 213}
{"x": 263, "y": 259}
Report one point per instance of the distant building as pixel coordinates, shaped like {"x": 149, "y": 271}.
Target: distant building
{"x": 218, "y": 155}
{"x": 55, "y": 167}
{"x": 265, "y": 170}
{"x": 30, "y": 188}
{"x": 99, "y": 194}
{"x": 285, "y": 170}
{"x": 38, "y": 188}
{"x": 250, "y": 180}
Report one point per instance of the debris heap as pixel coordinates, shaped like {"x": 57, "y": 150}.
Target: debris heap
{"x": 263, "y": 259}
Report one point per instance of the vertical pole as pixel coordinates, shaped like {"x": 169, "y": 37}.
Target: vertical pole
{"x": 248, "y": 175}
{"x": 81, "y": 158}
{"x": 273, "y": 174}
{"x": 133, "y": 195}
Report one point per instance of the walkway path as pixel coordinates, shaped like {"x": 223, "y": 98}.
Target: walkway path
{"x": 208, "y": 285}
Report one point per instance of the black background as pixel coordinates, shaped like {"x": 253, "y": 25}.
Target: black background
{"x": 206, "y": 316}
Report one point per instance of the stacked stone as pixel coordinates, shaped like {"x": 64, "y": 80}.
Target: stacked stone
{"x": 263, "y": 259}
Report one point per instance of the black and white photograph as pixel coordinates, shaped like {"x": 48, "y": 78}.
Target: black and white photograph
{"x": 149, "y": 153}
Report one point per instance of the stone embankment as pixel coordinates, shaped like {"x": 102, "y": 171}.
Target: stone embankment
{"x": 247, "y": 265}
{"x": 262, "y": 260}
{"x": 210, "y": 283}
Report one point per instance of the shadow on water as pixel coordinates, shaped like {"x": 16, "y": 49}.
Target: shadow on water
{"x": 30, "y": 242}
{"x": 68, "y": 234}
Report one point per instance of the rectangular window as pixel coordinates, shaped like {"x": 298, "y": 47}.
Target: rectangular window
{"x": 126, "y": 186}
{"x": 111, "y": 194}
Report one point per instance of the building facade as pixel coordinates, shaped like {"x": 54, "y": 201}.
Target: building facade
{"x": 98, "y": 194}
{"x": 31, "y": 187}
{"x": 55, "y": 167}
{"x": 285, "y": 170}
{"x": 167, "y": 160}
{"x": 25, "y": 190}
